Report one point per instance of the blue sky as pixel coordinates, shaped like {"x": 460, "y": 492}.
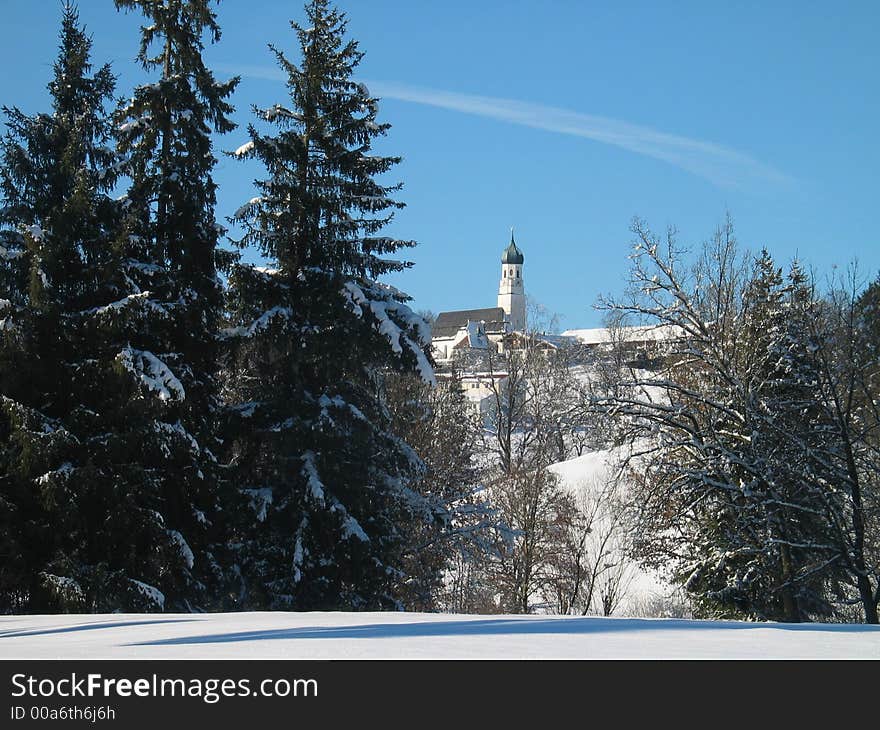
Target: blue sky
{"x": 565, "y": 119}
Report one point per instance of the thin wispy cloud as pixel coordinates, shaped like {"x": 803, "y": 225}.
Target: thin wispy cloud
{"x": 720, "y": 165}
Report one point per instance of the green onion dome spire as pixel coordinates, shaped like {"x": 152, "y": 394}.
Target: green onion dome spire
{"x": 512, "y": 255}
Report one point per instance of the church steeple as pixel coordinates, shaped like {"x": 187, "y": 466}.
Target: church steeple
{"x": 512, "y": 255}
{"x": 511, "y": 292}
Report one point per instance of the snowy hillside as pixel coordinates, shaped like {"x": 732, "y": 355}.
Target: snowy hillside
{"x": 414, "y": 635}
{"x": 590, "y": 478}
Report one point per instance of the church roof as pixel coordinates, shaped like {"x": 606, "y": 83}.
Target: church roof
{"x": 512, "y": 255}
{"x": 448, "y": 323}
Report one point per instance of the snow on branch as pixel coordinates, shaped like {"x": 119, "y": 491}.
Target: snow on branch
{"x": 10, "y": 254}
{"x": 260, "y": 324}
{"x": 350, "y": 526}
{"x": 260, "y": 500}
{"x": 150, "y": 592}
{"x": 63, "y": 472}
{"x": 245, "y": 209}
{"x": 310, "y": 472}
{"x": 63, "y": 587}
{"x": 244, "y": 150}
{"x": 134, "y": 125}
{"x": 34, "y": 421}
{"x": 276, "y": 111}
{"x": 142, "y": 298}
{"x": 185, "y": 551}
{"x": 299, "y": 550}
{"x": 154, "y": 374}
{"x": 393, "y": 320}
{"x": 35, "y": 232}
{"x": 178, "y": 433}
{"x": 326, "y": 402}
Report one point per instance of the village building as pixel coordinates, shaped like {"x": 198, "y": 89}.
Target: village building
{"x": 470, "y": 337}
{"x": 468, "y": 329}
{"x": 480, "y": 329}
{"x": 468, "y": 340}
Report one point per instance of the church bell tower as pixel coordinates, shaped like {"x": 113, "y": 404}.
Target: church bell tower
{"x": 511, "y": 294}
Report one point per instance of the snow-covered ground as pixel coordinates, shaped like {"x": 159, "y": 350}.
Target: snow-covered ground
{"x": 326, "y": 635}
{"x": 590, "y": 477}
{"x": 415, "y": 635}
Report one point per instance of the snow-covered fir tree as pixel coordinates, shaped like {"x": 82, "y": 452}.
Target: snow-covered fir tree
{"x": 158, "y": 334}
{"x": 788, "y": 494}
{"x": 57, "y": 224}
{"x": 854, "y": 398}
{"x": 845, "y": 331}
{"x": 326, "y": 482}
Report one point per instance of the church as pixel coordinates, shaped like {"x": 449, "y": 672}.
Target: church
{"x": 476, "y": 333}
{"x": 481, "y": 329}
{"x": 502, "y": 329}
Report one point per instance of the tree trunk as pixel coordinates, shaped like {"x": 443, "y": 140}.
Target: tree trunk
{"x": 789, "y": 600}
{"x": 869, "y": 605}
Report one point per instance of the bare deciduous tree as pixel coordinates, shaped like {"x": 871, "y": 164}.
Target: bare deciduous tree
{"x": 737, "y": 496}
{"x": 590, "y": 571}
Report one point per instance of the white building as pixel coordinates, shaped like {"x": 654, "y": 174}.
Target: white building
{"x": 475, "y": 334}
{"x": 481, "y": 388}
{"x": 470, "y": 331}
{"x": 479, "y": 329}
{"x": 467, "y": 329}
{"x": 511, "y": 291}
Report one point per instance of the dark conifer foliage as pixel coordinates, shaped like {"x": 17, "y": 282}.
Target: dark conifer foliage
{"x": 326, "y": 482}
{"x": 777, "y": 558}
{"x": 55, "y": 251}
{"x": 165, "y": 328}
{"x": 110, "y": 348}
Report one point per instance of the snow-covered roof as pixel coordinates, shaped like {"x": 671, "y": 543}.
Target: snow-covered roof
{"x": 555, "y": 341}
{"x": 604, "y": 335}
{"x": 476, "y": 338}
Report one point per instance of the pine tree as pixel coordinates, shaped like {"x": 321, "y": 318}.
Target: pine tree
{"x": 162, "y": 332}
{"x": 56, "y": 226}
{"x": 313, "y": 338}
{"x": 789, "y": 484}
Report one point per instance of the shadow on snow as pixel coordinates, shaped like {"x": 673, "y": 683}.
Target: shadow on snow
{"x": 88, "y": 627}
{"x": 490, "y": 627}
